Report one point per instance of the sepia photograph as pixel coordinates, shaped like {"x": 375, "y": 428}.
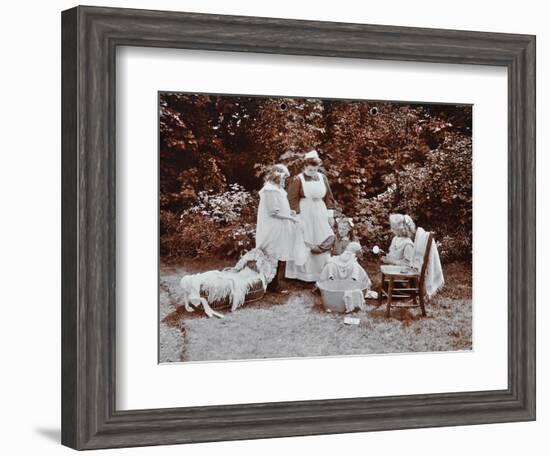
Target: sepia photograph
{"x": 307, "y": 227}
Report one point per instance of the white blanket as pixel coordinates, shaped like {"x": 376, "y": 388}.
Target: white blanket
{"x": 434, "y": 279}
{"x": 220, "y": 285}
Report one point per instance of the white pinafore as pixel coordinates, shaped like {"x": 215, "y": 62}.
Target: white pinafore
{"x": 315, "y": 217}
{"x": 275, "y": 235}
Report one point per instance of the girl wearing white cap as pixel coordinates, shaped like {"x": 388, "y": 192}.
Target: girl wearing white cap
{"x": 401, "y": 250}
{"x": 311, "y": 198}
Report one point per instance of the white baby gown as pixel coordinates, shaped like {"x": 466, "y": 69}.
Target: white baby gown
{"x": 345, "y": 267}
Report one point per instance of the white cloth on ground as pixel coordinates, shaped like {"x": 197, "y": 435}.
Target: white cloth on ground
{"x": 354, "y": 299}
{"x": 191, "y": 285}
{"x": 191, "y": 296}
{"x": 219, "y": 285}
{"x": 434, "y": 279}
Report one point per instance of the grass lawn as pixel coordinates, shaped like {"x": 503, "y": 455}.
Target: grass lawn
{"x": 295, "y": 324}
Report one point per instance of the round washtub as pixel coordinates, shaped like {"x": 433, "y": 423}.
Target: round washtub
{"x": 332, "y": 292}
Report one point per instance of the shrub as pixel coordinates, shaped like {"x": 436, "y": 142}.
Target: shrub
{"x": 379, "y": 157}
{"x": 221, "y": 224}
{"x": 230, "y": 206}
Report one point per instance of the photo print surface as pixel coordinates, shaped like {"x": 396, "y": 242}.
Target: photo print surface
{"x": 306, "y": 227}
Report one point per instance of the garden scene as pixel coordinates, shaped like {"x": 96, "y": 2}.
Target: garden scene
{"x": 379, "y": 158}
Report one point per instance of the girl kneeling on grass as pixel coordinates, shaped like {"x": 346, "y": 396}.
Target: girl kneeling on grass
{"x": 344, "y": 235}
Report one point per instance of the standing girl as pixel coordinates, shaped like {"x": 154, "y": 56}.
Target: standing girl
{"x": 275, "y": 227}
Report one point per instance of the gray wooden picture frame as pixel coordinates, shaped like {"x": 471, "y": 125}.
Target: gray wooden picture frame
{"x": 90, "y": 36}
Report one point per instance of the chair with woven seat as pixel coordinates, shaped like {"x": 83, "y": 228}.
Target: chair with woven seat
{"x": 411, "y": 280}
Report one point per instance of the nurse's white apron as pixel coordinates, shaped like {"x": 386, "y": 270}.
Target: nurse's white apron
{"x": 315, "y": 218}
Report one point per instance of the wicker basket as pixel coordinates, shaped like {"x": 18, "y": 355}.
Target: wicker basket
{"x": 255, "y": 293}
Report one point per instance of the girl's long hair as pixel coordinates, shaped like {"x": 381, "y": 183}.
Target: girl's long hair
{"x": 275, "y": 172}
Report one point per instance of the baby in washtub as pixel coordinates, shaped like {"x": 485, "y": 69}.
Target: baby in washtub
{"x": 346, "y": 267}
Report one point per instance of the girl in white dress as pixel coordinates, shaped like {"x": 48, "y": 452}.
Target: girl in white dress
{"x": 309, "y": 195}
{"x": 401, "y": 249}
{"x": 276, "y": 226}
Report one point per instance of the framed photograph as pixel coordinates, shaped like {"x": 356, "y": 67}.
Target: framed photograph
{"x": 279, "y": 228}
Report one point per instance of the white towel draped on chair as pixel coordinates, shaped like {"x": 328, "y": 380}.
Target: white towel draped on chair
{"x": 434, "y": 279}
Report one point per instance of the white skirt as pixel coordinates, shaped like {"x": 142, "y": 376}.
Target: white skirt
{"x": 314, "y": 216}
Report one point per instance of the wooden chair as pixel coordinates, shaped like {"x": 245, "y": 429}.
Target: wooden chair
{"x": 411, "y": 283}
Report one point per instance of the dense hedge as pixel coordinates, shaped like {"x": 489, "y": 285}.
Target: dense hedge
{"x": 379, "y": 157}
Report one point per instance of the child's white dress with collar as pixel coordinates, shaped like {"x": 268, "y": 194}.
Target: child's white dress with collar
{"x": 401, "y": 248}
{"x": 278, "y": 236}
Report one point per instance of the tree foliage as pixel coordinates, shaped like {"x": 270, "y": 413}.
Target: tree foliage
{"x": 380, "y": 157}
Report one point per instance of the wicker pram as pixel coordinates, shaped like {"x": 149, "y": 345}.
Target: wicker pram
{"x": 262, "y": 264}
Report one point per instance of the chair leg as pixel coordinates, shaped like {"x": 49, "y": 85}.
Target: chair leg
{"x": 421, "y": 299}
{"x": 380, "y": 292}
{"x": 390, "y": 292}
{"x": 412, "y": 284}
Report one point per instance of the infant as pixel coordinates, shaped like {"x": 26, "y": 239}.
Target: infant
{"x": 346, "y": 266}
